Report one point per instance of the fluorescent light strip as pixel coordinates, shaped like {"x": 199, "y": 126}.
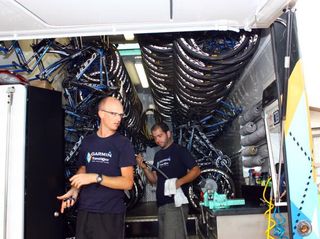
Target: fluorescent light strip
{"x": 128, "y": 46}
{"x": 142, "y": 74}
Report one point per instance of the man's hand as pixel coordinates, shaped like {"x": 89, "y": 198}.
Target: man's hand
{"x": 178, "y": 183}
{"x": 140, "y": 162}
{"x": 151, "y": 175}
{"x": 68, "y": 199}
{"x": 189, "y": 177}
{"x": 81, "y": 179}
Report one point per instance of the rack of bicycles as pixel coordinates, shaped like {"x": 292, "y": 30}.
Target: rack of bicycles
{"x": 190, "y": 75}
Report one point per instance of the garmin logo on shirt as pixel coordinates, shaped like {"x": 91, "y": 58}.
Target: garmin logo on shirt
{"x": 163, "y": 163}
{"x": 99, "y": 157}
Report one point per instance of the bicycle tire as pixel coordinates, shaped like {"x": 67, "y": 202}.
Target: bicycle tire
{"x": 193, "y": 49}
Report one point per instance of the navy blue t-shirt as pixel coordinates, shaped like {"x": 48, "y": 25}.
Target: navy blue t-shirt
{"x": 105, "y": 156}
{"x": 174, "y": 161}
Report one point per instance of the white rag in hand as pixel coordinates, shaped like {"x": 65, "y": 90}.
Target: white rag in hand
{"x": 170, "y": 189}
{"x": 180, "y": 198}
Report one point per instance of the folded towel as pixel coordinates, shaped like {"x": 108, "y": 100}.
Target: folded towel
{"x": 180, "y": 198}
{"x": 170, "y": 189}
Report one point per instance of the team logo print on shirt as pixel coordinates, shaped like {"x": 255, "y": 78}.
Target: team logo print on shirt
{"x": 99, "y": 157}
{"x": 163, "y": 163}
{"x": 88, "y": 157}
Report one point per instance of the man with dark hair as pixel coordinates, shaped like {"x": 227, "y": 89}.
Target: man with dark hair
{"x": 176, "y": 163}
{"x": 106, "y": 161}
{"x": 161, "y": 125}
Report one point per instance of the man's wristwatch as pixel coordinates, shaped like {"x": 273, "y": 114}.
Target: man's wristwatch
{"x": 99, "y": 178}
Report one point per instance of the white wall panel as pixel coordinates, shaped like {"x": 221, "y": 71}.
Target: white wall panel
{"x": 12, "y": 154}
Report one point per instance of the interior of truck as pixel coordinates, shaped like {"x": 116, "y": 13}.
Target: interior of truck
{"x": 216, "y": 83}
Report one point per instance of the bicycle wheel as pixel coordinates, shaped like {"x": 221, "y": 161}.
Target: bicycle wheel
{"x": 133, "y": 195}
{"x": 225, "y": 185}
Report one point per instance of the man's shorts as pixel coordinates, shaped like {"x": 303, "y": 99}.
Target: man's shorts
{"x": 100, "y": 225}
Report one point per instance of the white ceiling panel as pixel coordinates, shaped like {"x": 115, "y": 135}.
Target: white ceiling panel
{"x": 14, "y": 18}
{"x": 244, "y": 14}
{"x": 228, "y": 12}
{"x": 97, "y": 12}
{"x": 27, "y": 19}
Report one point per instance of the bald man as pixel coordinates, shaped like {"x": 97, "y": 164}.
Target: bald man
{"x": 106, "y": 161}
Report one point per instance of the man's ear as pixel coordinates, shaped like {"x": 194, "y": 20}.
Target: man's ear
{"x": 169, "y": 134}
{"x": 100, "y": 114}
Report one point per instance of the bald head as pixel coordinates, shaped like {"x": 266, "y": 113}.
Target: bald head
{"x": 110, "y": 102}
